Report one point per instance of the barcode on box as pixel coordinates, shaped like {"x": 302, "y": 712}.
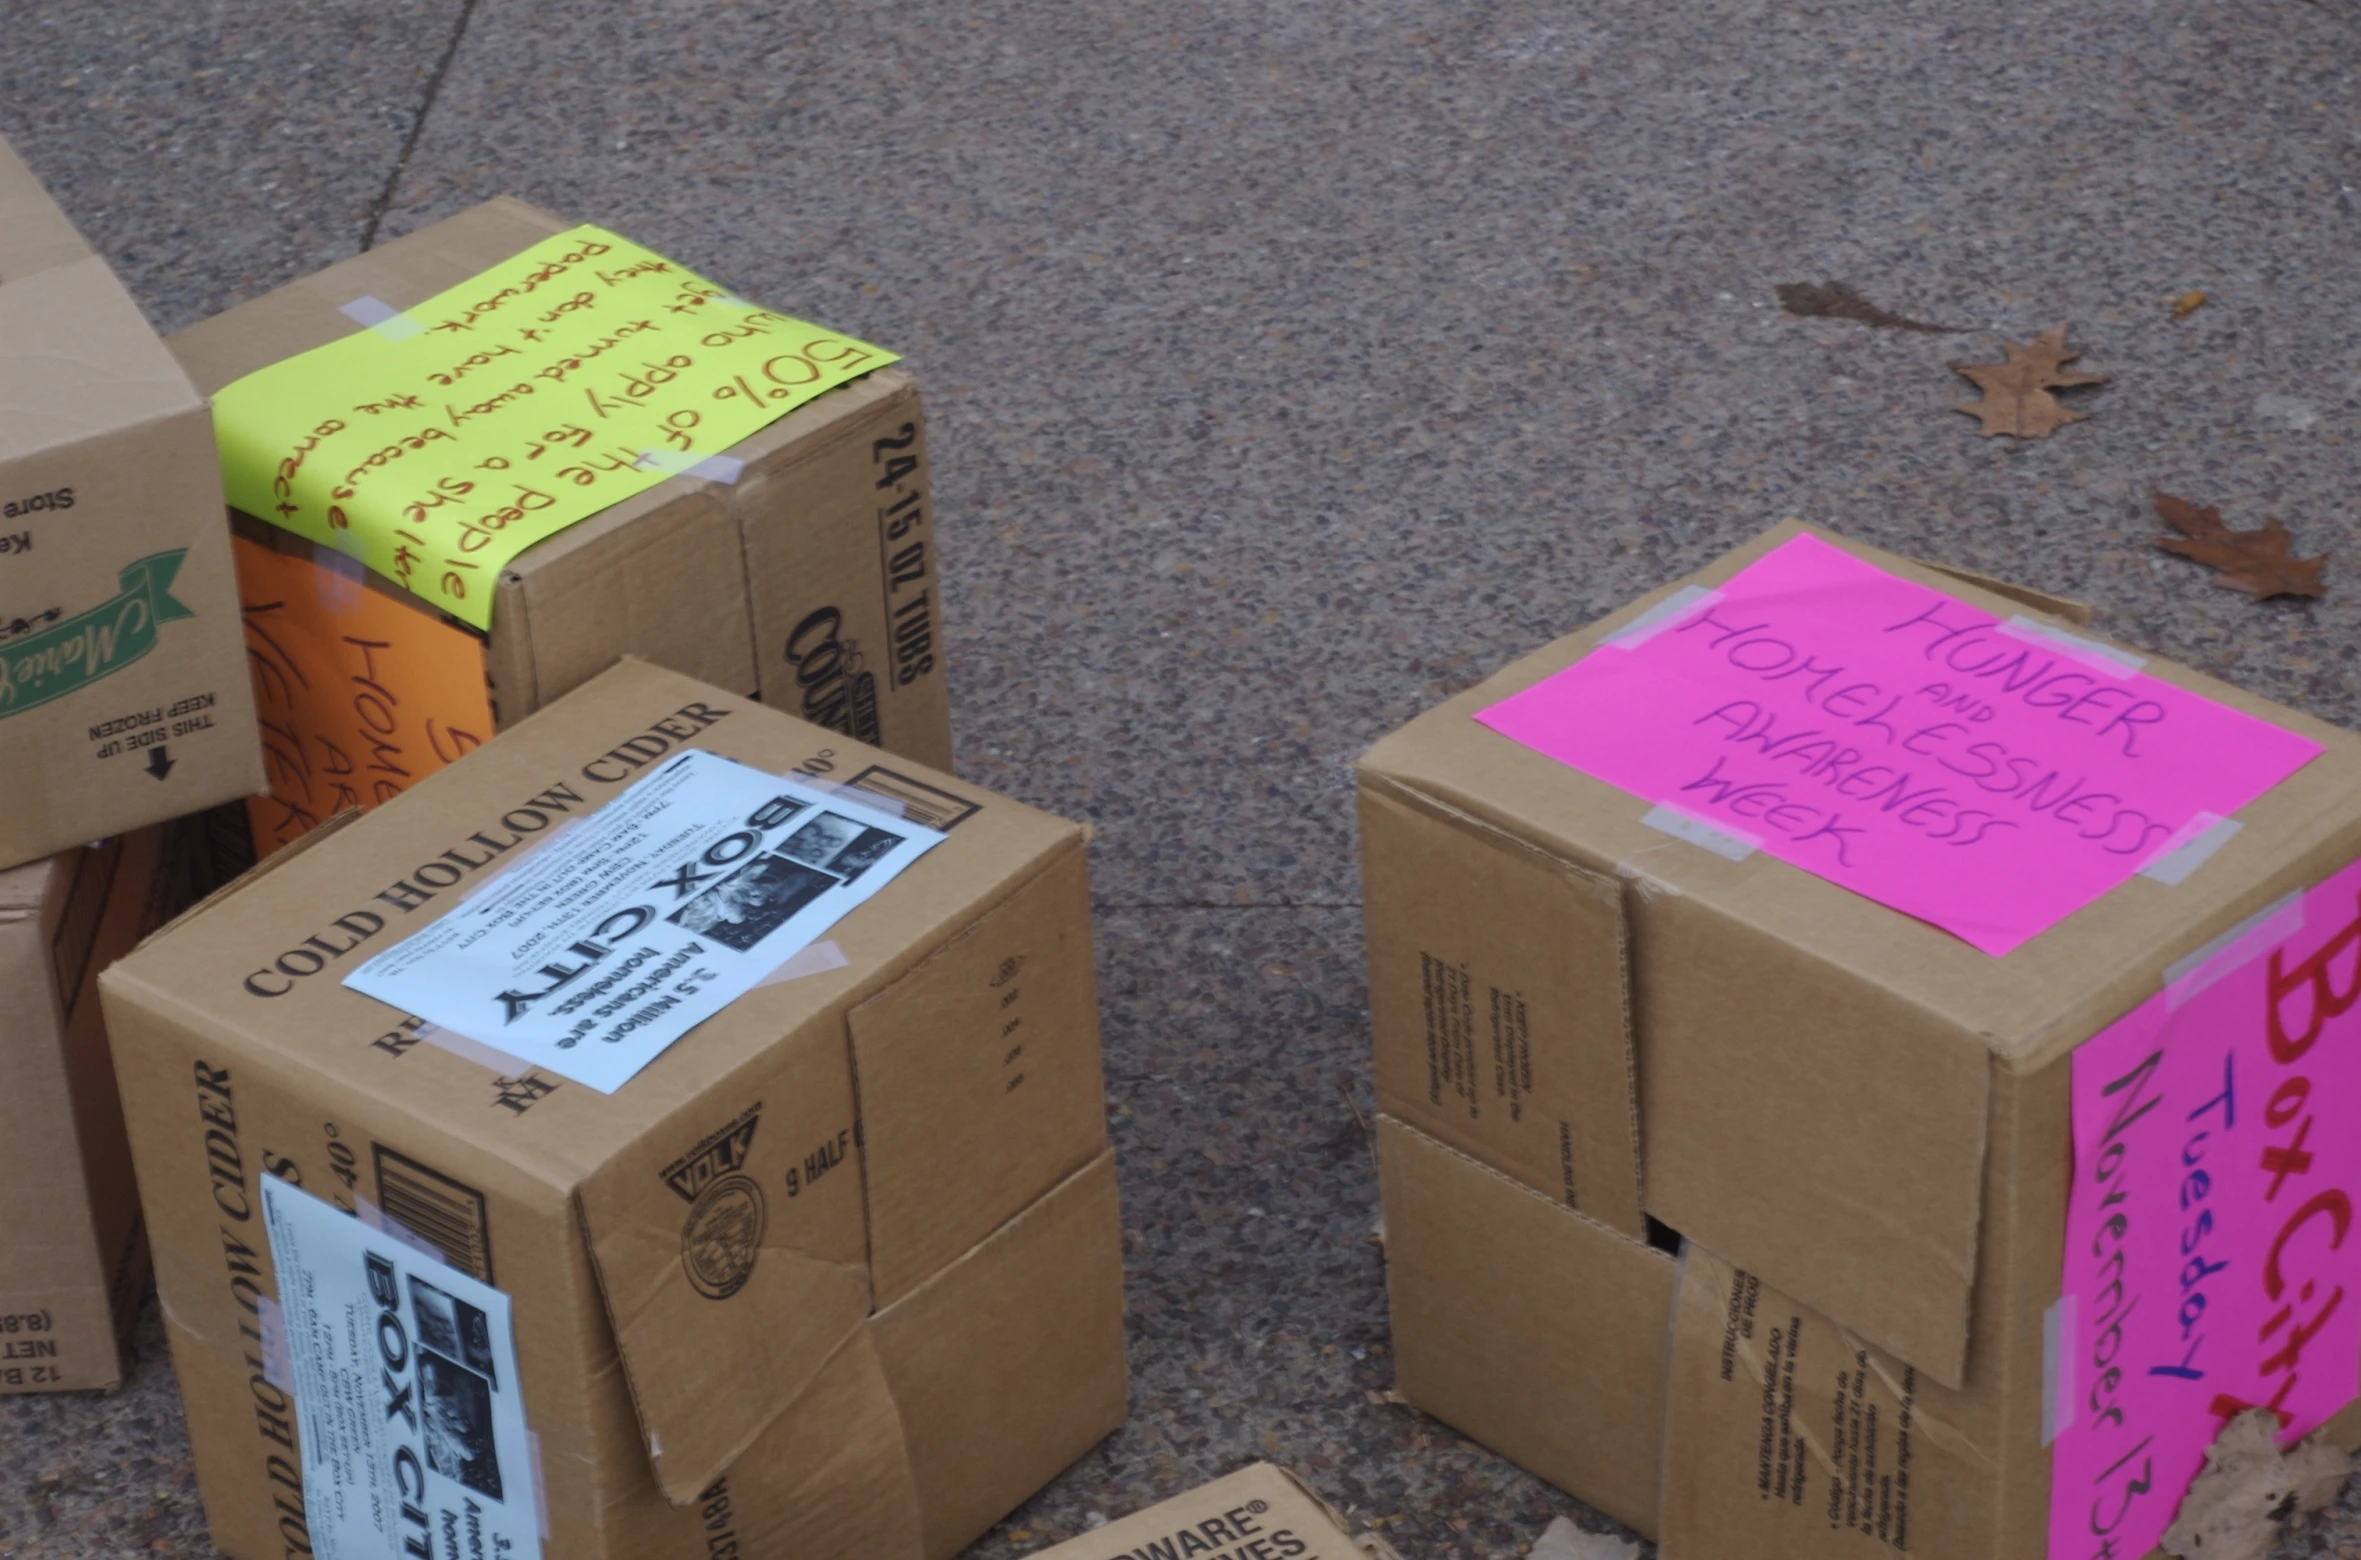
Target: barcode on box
{"x": 438, "y": 1210}
{"x": 921, "y": 803}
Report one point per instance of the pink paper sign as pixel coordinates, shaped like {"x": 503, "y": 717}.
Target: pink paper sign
{"x": 1988, "y": 775}
{"x": 2209, "y": 1245}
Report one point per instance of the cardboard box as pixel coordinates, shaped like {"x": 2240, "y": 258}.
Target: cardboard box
{"x": 796, "y": 1259}
{"x": 789, "y": 584}
{"x": 1530, "y": 1327}
{"x": 123, "y": 692}
{"x": 1862, "y": 1114}
{"x": 76, "y": 1263}
{"x": 1261, "y": 1512}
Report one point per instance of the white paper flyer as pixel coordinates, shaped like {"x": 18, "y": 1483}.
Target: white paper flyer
{"x": 647, "y": 917}
{"x": 414, "y": 1438}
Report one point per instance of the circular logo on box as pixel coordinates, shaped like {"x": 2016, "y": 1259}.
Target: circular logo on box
{"x": 723, "y": 1237}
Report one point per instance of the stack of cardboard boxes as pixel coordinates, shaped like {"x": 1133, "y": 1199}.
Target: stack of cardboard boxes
{"x": 123, "y": 701}
{"x": 1606, "y": 1036}
{"x": 839, "y": 1271}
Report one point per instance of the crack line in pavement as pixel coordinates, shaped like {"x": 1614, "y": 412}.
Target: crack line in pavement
{"x": 434, "y": 88}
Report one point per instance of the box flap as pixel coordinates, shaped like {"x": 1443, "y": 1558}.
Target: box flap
{"x": 979, "y": 1077}
{"x": 34, "y": 234}
{"x": 660, "y": 573}
{"x": 727, "y": 1293}
{"x": 1535, "y": 1330}
{"x": 831, "y": 1481}
{"x": 1500, "y": 1000}
{"x": 1009, "y": 1363}
{"x": 1831, "y": 1053}
{"x": 1788, "y": 1438}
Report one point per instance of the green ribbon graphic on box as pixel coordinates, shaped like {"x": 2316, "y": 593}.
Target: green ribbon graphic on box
{"x": 89, "y": 645}
{"x": 441, "y": 441}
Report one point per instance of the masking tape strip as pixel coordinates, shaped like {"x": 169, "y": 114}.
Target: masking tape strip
{"x": 2058, "y": 1346}
{"x": 892, "y": 807}
{"x": 817, "y": 959}
{"x": 2190, "y": 848}
{"x": 540, "y": 1485}
{"x": 1709, "y": 836}
{"x": 2236, "y": 948}
{"x": 337, "y": 580}
{"x": 1676, "y": 608}
{"x": 270, "y": 1323}
{"x": 382, "y": 317}
{"x": 394, "y": 1229}
{"x": 476, "y": 1051}
{"x": 713, "y": 468}
{"x": 2103, "y": 659}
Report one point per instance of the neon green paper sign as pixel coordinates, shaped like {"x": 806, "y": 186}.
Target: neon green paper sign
{"x": 443, "y": 440}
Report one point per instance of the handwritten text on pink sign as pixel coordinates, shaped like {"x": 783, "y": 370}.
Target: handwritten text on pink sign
{"x": 1988, "y": 775}
{"x": 2208, "y": 1232}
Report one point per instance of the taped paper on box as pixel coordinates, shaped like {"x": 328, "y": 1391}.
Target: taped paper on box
{"x": 682, "y": 894}
{"x": 1983, "y": 775}
{"x": 443, "y": 440}
{"x": 360, "y": 697}
{"x": 2211, "y": 1265}
{"x": 406, "y": 1391}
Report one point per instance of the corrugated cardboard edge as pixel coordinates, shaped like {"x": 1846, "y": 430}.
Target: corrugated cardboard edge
{"x": 1330, "y": 1512}
{"x": 2073, "y": 611}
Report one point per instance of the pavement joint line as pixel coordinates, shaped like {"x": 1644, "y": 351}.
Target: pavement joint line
{"x": 434, "y": 90}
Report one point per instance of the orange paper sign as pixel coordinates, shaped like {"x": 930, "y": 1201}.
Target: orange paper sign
{"x": 360, "y": 695}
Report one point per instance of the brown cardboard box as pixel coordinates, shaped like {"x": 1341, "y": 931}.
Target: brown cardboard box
{"x": 1535, "y": 1329}
{"x": 1865, "y": 1115}
{"x": 939, "y": 1207}
{"x": 781, "y": 585}
{"x": 76, "y": 1262}
{"x": 1261, "y": 1512}
{"x": 123, "y": 692}
{"x": 1825, "y": 1085}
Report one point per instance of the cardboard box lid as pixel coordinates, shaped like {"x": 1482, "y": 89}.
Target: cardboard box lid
{"x": 1259, "y": 1502}
{"x": 34, "y": 234}
{"x": 80, "y": 356}
{"x": 705, "y": 1379}
{"x": 308, "y": 312}
{"x": 1850, "y": 1173}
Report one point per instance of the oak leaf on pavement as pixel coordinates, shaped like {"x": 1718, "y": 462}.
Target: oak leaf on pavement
{"x": 2260, "y": 563}
{"x": 2017, "y": 399}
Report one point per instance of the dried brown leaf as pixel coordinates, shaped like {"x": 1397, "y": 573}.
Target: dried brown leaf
{"x": 2260, "y": 563}
{"x": 1836, "y": 301}
{"x": 2187, "y": 304}
{"x": 2017, "y": 399}
{"x": 2249, "y": 1490}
